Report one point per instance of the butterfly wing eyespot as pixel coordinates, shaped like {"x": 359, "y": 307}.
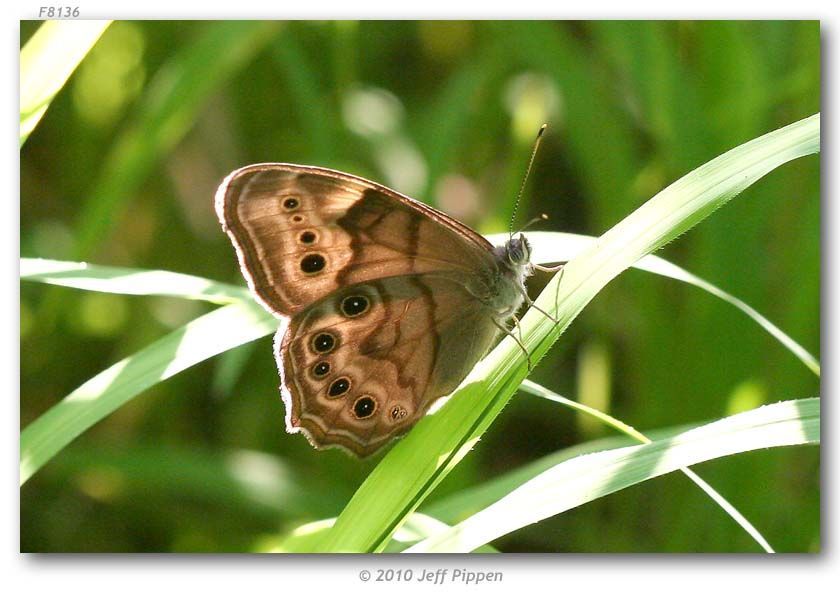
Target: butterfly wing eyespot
{"x": 308, "y": 237}
{"x": 324, "y": 342}
{"x": 321, "y": 369}
{"x": 354, "y": 306}
{"x": 339, "y": 387}
{"x": 398, "y": 413}
{"x": 313, "y": 263}
{"x": 364, "y": 407}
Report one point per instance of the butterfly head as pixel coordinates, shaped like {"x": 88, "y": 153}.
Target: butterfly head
{"x": 518, "y": 251}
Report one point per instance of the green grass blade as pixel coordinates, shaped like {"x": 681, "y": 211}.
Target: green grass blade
{"x": 46, "y": 63}
{"x": 415, "y": 466}
{"x": 200, "y": 339}
{"x": 550, "y": 247}
{"x": 418, "y": 526}
{"x": 119, "y": 280}
{"x": 728, "y": 508}
{"x": 464, "y": 503}
{"x": 586, "y": 478}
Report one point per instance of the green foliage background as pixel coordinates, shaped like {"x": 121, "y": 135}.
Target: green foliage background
{"x": 122, "y": 169}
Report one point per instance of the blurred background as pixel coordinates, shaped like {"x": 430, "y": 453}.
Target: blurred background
{"x": 122, "y": 170}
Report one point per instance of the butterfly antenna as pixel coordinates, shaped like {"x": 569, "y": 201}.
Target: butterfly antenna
{"x": 542, "y": 217}
{"x": 525, "y": 179}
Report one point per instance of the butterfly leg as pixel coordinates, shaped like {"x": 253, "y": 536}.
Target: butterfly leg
{"x": 530, "y": 303}
{"x": 518, "y": 340}
{"x": 550, "y": 269}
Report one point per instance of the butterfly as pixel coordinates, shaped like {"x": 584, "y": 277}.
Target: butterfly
{"x": 385, "y": 303}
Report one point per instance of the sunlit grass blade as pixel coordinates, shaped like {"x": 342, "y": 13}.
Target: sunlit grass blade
{"x": 416, "y": 465}
{"x": 204, "y": 337}
{"x": 466, "y": 502}
{"x": 743, "y": 522}
{"x": 167, "y": 110}
{"x": 46, "y": 63}
{"x": 549, "y": 247}
{"x": 418, "y": 526}
{"x": 586, "y": 478}
{"x": 120, "y": 280}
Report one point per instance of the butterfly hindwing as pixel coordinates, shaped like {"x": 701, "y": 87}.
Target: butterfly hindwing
{"x": 362, "y": 366}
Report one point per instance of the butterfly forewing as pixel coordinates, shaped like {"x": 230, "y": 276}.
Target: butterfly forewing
{"x": 302, "y": 232}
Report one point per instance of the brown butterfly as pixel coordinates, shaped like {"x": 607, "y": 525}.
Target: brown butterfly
{"x": 386, "y": 304}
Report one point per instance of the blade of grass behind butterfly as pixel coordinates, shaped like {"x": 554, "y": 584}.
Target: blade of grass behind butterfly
{"x": 463, "y": 503}
{"x": 306, "y": 537}
{"x": 555, "y": 247}
{"x": 121, "y": 280}
{"x": 548, "y": 246}
{"x": 46, "y": 62}
{"x": 585, "y": 478}
{"x": 733, "y": 512}
{"x": 802, "y": 302}
{"x": 210, "y": 334}
{"x": 419, "y": 462}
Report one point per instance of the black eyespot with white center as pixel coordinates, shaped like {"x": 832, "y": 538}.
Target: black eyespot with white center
{"x": 312, "y": 263}
{"x": 398, "y": 413}
{"x": 353, "y": 306}
{"x": 364, "y": 407}
{"x": 338, "y": 387}
{"x": 321, "y": 369}
{"x": 291, "y": 203}
{"x": 324, "y": 342}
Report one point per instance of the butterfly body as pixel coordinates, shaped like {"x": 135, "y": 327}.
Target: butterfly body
{"x": 385, "y": 303}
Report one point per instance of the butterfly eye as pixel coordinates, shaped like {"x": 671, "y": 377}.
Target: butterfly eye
{"x": 364, "y": 407}
{"x": 338, "y": 387}
{"x": 398, "y": 413}
{"x": 308, "y": 237}
{"x": 323, "y": 342}
{"x": 312, "y": 263}
{"x": 353, "y": 306}
{"x": 320, "y": 370}
{"x": 291, "y": 203}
